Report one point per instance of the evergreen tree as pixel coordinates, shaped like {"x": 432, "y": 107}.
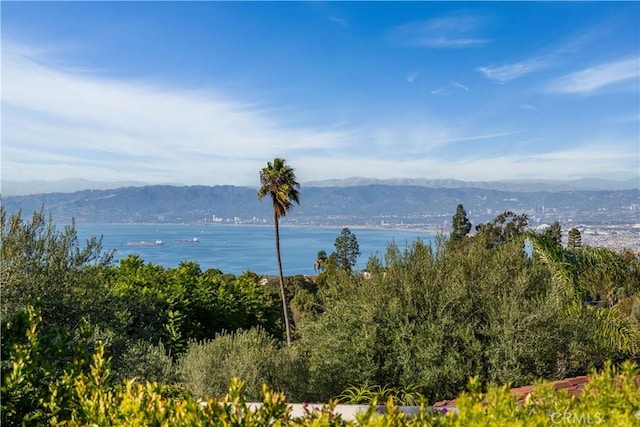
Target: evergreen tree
{"x": 460, "y": 224}
{"x": 554, "y": 232}
{"x": 347, "y": 250}
{"x": 574, "y": 239}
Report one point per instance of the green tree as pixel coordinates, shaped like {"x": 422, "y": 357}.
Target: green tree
{"x": 279, "y": 181}
{"x": 503, "y": 228}
{"x": 554, "y": 232}
{"x": 40, "y": 262}
{"x": 460, "y": 224}
{"x": 374, "y": 265}
{"x": 321, "y": 260}
{"x": 606, "y": 331}
{"x": 347, "y": 250}
{"x": 175, "y": 306}
{"x": 574, "y": 239}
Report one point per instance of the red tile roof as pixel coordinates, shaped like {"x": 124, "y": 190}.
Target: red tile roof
{"x": 574, "y": 386}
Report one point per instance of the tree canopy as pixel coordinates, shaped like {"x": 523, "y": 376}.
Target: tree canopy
{"x": 347, "y": 250}
{"x": 460, "y": 224}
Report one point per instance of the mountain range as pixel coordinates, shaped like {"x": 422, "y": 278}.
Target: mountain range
{"x": 366, "y": 205}
{"x": 15, "y": 188}
{"x": 588, "y": 184}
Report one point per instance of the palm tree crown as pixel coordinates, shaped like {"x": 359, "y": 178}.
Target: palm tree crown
{"x": 279, "y": 181}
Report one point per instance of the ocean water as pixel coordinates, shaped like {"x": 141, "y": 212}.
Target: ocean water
{"x": 238, "y": 248}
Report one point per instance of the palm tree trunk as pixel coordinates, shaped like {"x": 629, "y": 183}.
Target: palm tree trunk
{"x": 285, "y": 309}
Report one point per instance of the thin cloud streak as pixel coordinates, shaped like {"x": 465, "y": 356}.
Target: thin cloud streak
{"x": 444, "y": 43}
{"x": 505, "y": 73}
{"x": 508, "y": 72}
{"x": 478, "y": 137}
{"x": 340, "y": 21}
{"x": 598, "y": 77}
{"x": 454, "y": 32}
{"x": 449, "y": 89}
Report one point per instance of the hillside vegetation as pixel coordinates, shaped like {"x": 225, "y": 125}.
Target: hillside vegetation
{"x": 503, "y": 306}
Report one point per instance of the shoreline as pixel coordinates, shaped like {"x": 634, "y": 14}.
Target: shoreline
{"x": 617, "y": 238}
{"x": 403, "y": 228}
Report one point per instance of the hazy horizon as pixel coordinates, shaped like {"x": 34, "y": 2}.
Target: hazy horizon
{"x": 20, "y": 188}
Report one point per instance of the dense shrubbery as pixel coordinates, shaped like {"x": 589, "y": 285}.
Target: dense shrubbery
{"x": 79, "y": 392}
{"x": 145, "y": 314}
{"x": 252, "y": 355}
{"x": 424, "y": 319}
{"x": 434, "y": 316}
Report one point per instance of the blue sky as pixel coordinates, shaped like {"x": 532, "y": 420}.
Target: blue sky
{"x": 208, "y": 92}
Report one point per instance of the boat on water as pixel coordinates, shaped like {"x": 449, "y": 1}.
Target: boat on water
{"x": 194, "y": 240}
{"x": 143, "y": 243}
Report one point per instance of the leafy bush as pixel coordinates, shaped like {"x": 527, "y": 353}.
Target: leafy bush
{"x": 177, "y": 305}
{"x": 35, "y": 369}
{"x": 40, "y": 262}
{"x": 79, "y": 397}
{"x": 147, "y": 362}
{"x": 43, "y": 388}
{"x": 438, "y": 314}
{"x": 253, "y": 356}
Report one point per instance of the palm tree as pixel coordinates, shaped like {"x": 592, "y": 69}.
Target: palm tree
{"x": 570, "y": 268}
{"x": 279, "y": 181}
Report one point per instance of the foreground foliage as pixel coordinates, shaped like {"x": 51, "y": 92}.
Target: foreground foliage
{"x": 503, "y": 305}
{"x": 77, "y": 391}
{"x": 436, "y": 315}
{"x": 145, "y": 314}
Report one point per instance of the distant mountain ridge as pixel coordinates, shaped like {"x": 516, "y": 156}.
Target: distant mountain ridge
{"x": 22, "y": 188}
{"x": 15, "y": 188}
{"x": 587, "y": 184}
{"x": 366, "y": 205}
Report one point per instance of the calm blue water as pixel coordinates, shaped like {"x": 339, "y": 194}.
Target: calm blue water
{"x": 237, "y": 248}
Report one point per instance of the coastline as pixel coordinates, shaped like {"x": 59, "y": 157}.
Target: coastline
{"x": 617, "y": 238}
{"x": 390, "y": 227}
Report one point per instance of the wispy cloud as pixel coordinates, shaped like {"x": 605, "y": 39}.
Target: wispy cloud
{"x": 421, "y": 138}
{"x": 340, "y": 21}
{"x": 542, "y": 60}
{"x": 449, "y": 89}
{"x": 624, "y": 118}
{"x": 187, "y": 132}
{"x": 527, "y": 107}
{"x": 460, "y": 86}
{"x": 591, "y": 80}
{"x": 411, "y": 77}
{"x": 505, "y": 73}
{"x": 60, "y": 123}
{"x": 581, "y": 162}
{"x": 453, "y": 32}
